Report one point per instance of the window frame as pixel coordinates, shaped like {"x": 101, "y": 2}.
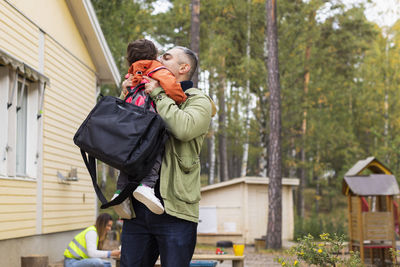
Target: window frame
{"x": 8, "y": 134}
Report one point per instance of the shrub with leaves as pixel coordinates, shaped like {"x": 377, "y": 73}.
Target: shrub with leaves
{"x": 320, "y": 253}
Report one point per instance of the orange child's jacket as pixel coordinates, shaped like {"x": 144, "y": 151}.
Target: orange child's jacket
{"x": 166, "y": 79}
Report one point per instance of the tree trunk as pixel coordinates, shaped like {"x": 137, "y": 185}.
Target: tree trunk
{"x": 211, "y": 138}
{"x": 243, "y": 171}
{"x": 292, "y": 154}
{"x": 195, "y": 37}
{"x": 103, "y": 175}
{"x": 111, "y": 172}
{"x": 263, "y": 162}
{"x": 303, "y": 178}
{"x": 35, "y": 261}
{"x": 274, "y": 229}
{"x": 223, "y": 158}
{"x": 211, "y": 153}
{"x": 386, "y": 103}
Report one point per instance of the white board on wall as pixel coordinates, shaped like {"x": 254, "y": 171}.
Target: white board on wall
{"x": 207, "y": 219}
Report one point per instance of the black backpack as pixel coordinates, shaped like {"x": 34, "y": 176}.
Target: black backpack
{"x": 124, "y": 136}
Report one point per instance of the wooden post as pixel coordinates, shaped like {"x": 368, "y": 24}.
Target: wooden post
{"x": 361, "y": 229}
{"x": 350, "y": 226}
{"x": 35, "y": 261}
{"x": 391, "y": 209}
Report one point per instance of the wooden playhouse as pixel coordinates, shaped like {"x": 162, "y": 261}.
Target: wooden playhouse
{"x": 370, "y": 188}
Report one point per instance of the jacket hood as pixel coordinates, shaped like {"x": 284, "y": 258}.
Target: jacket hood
{"x": 195, "y": 91}
{"x": 213, "y": 107}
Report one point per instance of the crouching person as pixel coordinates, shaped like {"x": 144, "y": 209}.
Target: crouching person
{"x": 85, "y": 249}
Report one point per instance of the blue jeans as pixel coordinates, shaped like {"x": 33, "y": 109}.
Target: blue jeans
{"x": 91, "y": 262}
{"x": 149, "y": 235}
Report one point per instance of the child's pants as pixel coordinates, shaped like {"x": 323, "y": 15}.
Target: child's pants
{"x": 149, "y": 180}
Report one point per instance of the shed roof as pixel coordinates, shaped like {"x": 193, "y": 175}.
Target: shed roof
{"x": 372, "y": 185}
{"x": 249, "y": 180}
{"x": 371, "y": 163}
{"x": 85, "y": 17}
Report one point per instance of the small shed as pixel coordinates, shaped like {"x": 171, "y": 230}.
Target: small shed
{"x": 237, "y": 210}
{"x": 371, "y": 209}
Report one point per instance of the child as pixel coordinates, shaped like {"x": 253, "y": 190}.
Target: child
{"x": 141, "y": 56}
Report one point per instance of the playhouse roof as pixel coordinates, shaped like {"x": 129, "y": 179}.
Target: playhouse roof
{"x": 371, "y": 163}
{"x": 372, "y": 185}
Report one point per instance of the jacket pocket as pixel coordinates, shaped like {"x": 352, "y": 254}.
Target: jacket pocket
{"x": 187, "y": 178}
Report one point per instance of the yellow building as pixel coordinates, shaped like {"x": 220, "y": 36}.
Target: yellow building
{"x": 237, "y": 210}
{"x": 53, "y": 58}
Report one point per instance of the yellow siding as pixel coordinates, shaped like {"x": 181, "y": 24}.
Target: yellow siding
{"x": 54, "y": 17}
{"x": 18, "y": 36}
{"x": 17, "y": 208}
{"x": 68, "y": 99}
{"x": 67, "y": 102}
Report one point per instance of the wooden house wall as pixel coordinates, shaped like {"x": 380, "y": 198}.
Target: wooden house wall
{"x": 68, "y": 99}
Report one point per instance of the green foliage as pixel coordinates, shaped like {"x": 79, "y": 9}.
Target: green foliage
{"x": 349, "y": 105}
{"x": 322, "y": 223}
{"x": 122, "y": 21}
{"x": 323, "y": 253}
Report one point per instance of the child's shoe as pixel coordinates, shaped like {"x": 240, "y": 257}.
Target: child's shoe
{"x": 124, "y": 209}
{"x": 146, "y": 195}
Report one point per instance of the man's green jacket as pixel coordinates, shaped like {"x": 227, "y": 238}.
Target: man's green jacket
{"x": 180, "y": 170}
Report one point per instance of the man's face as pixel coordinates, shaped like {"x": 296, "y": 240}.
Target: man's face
{"x": 174, "y": 61}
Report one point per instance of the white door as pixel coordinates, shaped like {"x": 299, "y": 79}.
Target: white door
{"x": 207, "y": 219}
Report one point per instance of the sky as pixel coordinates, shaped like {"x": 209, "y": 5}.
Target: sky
{"x": 382, "y": 12}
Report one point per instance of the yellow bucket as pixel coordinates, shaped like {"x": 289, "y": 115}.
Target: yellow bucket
{"x": 238, "y": 249}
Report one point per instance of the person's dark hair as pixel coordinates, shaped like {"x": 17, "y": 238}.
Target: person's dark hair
{"x": 192, "y": 58}
{"x": 101, "y": 223}
{"x": 140, "y": 50}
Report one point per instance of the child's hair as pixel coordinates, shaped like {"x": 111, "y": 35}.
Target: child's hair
{"x": 140, "y": 50}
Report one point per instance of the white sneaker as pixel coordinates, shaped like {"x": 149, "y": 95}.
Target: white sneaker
{"x": 124, "y": 209}
{"x": 146, "y": 195}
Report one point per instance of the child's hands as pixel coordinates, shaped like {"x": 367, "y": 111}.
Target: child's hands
{"x": 127, "y": 83}
{"x": 151, "y": 85}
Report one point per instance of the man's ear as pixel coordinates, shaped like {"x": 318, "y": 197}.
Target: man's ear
{"x": 184, "y": 68}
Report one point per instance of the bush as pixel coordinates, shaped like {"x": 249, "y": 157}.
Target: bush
{"x": 317, "y": 224}
{"x": 324, "y": 253}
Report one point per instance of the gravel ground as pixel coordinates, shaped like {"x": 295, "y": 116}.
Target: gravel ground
{"x": 253, "y": 259}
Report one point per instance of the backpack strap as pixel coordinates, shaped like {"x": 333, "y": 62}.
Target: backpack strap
{"x": 156, "y": 69}
{"x": 126, "y": 192}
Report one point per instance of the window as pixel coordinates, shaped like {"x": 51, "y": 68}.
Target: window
{"x": 20, "y": 99}
{"x": 21, "y": 109}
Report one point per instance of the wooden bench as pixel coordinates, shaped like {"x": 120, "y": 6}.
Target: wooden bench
{"x": 237, "y": 261}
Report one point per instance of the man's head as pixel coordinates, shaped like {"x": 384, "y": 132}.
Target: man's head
{"x": 181, "y": 61}
{"x": 141, "y": 50}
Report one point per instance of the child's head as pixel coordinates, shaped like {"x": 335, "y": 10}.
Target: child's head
{"x": 140, "y": 50}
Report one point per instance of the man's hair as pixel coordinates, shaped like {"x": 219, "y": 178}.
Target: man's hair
{"x": 192, "y": 58}
{"x": 140, "y": 50}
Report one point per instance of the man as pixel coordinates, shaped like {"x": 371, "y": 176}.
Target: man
{"x": 172, "y": 235}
